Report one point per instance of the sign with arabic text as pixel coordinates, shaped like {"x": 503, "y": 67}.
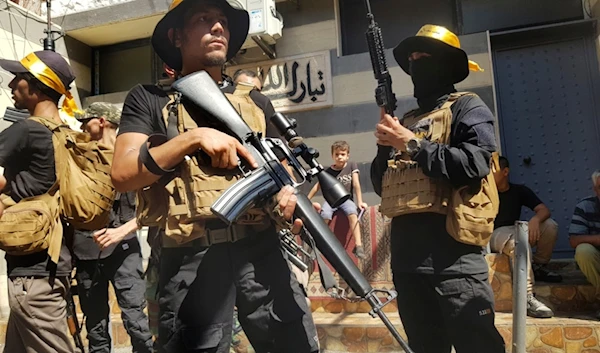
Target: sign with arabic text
{"x": 296, "y": 83}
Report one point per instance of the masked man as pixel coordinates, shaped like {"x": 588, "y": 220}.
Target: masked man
{"x": 444, "y": 297}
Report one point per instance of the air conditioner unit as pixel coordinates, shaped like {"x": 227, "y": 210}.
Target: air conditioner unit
{"x": 266, "y": 23}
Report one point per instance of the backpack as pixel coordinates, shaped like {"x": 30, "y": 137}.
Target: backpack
{"x": 473, "y": 209}
{"x": 83, "y": 173}
{"x": 32, "y": 225}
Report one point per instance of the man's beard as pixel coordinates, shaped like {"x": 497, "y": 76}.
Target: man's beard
{"x": 214, "y": 59}
{"x": 19, "y": 105}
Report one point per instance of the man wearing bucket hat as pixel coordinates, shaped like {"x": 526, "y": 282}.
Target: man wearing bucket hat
{"x": 444, "y": 297}
{"x": 112, "y": 254}
{"x": 206, "y": 267}
{"x": 37, "y": 287}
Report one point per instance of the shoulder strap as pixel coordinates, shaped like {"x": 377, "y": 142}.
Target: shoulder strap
{"x": 454, "y": 97}
{"x": 57, "y": 141}
{"x": 171, "y": 113}
{"x": 50, "y": 124}
{"x": 243, "y": 89}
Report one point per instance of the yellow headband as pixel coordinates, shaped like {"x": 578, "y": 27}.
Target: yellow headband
{"x": 42, "y": 72}
{"x": 444, "y": 35}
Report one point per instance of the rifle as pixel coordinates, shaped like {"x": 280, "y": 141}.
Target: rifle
{"x": 383, "y": 93}
{"x": 49, "y": 41}
{"x": 261, "y": 184}
{"x": 73, "y": 322}
{"x": 289, "y": 245}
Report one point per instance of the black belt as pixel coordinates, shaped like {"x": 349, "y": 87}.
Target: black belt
{"x": 218, "y": 232}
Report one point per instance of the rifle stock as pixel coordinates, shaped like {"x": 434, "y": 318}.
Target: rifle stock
{"x": 73, "y": 322}
{"x": 247, "y": 194}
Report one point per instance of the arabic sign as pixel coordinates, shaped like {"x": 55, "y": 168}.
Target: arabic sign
{"x": 296, "y": 83}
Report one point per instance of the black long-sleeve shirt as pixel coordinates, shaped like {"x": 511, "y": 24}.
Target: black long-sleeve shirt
{"x": 419, "y": 241}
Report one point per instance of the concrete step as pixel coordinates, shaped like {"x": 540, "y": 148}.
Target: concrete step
{"x": 574, "y": 294}
{"x": 359, "y": 332}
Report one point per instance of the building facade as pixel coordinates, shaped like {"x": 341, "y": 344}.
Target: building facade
{"x": 540, "y": 80}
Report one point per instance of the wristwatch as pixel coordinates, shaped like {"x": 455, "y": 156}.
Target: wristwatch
{"x": 413, "y": 146}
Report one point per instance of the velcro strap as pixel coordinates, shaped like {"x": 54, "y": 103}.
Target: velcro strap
{"x": 146, "y": 157}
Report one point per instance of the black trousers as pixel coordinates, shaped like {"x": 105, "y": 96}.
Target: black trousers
{"x": 199, "y": 287}
{"x": 123, "y": 268}
{"x": 439, "y": 312}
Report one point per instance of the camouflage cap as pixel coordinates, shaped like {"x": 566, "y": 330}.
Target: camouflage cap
{"x": 110, "y": 112}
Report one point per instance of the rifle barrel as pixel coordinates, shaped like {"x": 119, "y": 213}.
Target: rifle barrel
{"x": 369, "y": 12}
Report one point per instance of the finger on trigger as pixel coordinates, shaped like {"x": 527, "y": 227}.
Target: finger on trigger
{"x": 244, "y": 153}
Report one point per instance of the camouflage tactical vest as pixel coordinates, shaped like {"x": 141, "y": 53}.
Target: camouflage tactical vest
{"x": 405, "y": 188}
{"x": 181, "y": 204}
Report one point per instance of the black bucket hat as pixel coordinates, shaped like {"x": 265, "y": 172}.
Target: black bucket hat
{"x": 237, "y": 16}
{"x": 440, "y": 42}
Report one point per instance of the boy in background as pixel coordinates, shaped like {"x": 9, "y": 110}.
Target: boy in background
{"x": 347, "y": 173}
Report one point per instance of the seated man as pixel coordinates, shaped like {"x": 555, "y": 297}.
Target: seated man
{"x": 584, "y": 235}
{"x": 542, "y": 233}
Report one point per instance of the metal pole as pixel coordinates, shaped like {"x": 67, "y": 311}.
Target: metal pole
{"x": 520, "y": 287}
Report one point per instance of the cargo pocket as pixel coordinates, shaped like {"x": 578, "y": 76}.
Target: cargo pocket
{"x": 128, "y": 296}
{"x": 203, "y": 337}
{"x": 455, "y": 294}
{"x": 288, "y": 309}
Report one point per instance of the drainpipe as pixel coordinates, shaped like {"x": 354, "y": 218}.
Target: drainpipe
{"x": 520, "y": 287}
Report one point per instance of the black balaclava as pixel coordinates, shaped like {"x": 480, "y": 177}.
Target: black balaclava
{"x": 431, "y": 78}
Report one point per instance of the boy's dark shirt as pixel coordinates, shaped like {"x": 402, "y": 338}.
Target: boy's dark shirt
{"x": 425, "y": 245}
{"x": 511, "y": 202}
{"x": 344, "y": 176}
{"x": 27, "y": 155}
{"x": 84, "y": 246}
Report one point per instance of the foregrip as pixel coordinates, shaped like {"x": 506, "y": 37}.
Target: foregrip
{"x": 383, "y": 93}
{"x": 330, "y": 247}
{"x": 375, "y": 43}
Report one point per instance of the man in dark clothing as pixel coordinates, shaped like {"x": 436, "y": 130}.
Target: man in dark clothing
{"x": 111, "y": 255}
{"x": 542, "y": 230}
{"x": 444, "y": 297}
{"x": 206, "y": 266}
{"x": 37, "y": 287}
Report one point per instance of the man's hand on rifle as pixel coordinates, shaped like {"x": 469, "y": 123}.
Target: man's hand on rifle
{"x": 222, "y": 149}
{"x": 287, "y": 205}
{"x": 389, "y": 132}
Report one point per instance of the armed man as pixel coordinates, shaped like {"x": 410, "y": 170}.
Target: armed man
{"x": 181, "y": 166}
{"x": 444, "y": 297}
{"x": 111, "y": 254}
{"x": 37, "y": 284}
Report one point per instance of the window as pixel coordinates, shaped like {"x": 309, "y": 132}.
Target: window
{"x": 398, "y": 19}
{"x": 124, "y": 65}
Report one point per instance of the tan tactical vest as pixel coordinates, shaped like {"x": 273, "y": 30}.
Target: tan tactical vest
{"x": 182, "y": 205}
{"x": 405, "y": 188}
